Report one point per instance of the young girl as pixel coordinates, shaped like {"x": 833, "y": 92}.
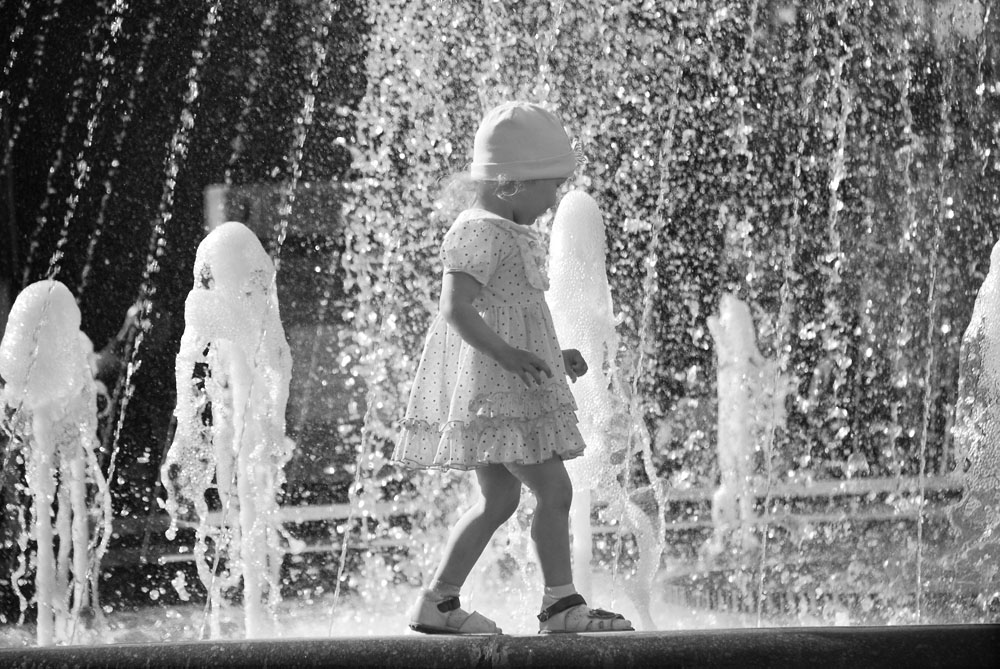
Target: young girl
{"x": 490, "y": 392}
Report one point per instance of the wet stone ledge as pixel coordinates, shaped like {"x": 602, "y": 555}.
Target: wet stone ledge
{"x": 905, "y": 646}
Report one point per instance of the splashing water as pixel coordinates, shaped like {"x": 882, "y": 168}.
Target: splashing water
{"x": 831, "y": 166}
{"x": 233, "y": 372}
{"x": 81, "y": 167}
{"x": 125, "y": 117}
{"x": 38, "y": 52}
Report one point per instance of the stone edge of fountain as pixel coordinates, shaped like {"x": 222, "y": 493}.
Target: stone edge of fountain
{"x": 909, "y": 646}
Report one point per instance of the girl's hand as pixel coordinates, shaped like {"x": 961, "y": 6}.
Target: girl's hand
{"x": 528, "y": 366}
{"x": 575, "y": 365}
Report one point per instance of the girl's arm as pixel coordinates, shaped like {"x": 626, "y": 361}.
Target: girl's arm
{"x": 458, "y": 291}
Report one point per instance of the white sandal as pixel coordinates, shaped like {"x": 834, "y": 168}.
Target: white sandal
{"x": 572, "y": 615}
{"x": 448, "y": 617}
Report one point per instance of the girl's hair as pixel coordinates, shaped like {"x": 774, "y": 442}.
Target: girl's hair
{"x": 458, "y": 191}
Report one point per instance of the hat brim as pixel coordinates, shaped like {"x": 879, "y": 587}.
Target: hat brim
{"x": 554, "y": 167}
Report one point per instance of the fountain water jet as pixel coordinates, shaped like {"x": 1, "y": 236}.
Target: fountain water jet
{"x": 232, "y": 373}
{"x": 46, "y": 362}
{"x": 584, "y": 317}
{"x": 977, "y": 516}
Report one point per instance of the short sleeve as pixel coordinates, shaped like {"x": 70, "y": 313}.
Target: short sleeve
{"x": 472, "y": 247}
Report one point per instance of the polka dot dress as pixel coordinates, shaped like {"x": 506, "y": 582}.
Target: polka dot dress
{"x": 465, "y": 410}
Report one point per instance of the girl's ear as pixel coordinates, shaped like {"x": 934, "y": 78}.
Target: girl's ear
{"x": 505, "y": 190}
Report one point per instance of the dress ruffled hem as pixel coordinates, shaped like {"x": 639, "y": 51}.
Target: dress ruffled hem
{"x": 484, "y": 441}
{"x": 524, "y": 406}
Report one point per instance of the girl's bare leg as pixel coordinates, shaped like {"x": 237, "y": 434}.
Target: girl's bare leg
{"x": 563, "y": 610}
{"x": 553, "y": 491}
{"x": 500, "y": 492}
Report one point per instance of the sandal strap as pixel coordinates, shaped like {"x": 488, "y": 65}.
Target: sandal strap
{"x": 561, "y": 605}
{"x": 449, "y": 604}
{"x": 601, "y": 613}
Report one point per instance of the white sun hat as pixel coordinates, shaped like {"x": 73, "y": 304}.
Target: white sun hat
{"x": 520, "y": 141}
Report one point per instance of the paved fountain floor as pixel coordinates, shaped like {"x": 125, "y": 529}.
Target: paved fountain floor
{"x": 904, "y": 646}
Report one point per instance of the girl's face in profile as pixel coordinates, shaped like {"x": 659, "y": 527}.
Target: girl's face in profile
{"x": 534, "y": 198}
